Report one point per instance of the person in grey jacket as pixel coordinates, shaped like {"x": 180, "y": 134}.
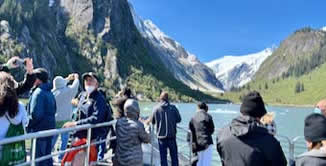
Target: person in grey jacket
{"x": 63, "y": 94}
{"x": 315, "y": 135}
{"x": 130, "y": 135}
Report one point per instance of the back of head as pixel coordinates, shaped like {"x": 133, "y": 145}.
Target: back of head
{"x": 253, "y": 105}
{"x": 59, "y": 82}
{"x": 202, "y": 106}
{"x": 131, "y": 108}
{"x": 127, "y": 92}
{"x": 315, "y": 128}
{"x": 41, "y": 74}
{"x": 8, "y": 96}
{"x": 164, "y": 96}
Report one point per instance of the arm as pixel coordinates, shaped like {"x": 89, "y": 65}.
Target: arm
{"x": 74, "y": 88}
{"x": 211, "y": 127}
{"x": 178, "y": 117}
{"x": 37, "y": 110}
{"x": 98, "y": 114}
{"x": 26, "y": 84}
{"x": 191, "y": 128}
{"x": 276, "y": 156}
{"x": 143, "y": 135}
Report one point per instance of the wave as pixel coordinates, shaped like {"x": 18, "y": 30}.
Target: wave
{"x": 223, "y": 111}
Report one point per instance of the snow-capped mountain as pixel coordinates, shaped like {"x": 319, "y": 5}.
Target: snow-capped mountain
{"x": 323, "y": 29}
{"x": 236, "y": 71}
{"x": 184, "y": 65}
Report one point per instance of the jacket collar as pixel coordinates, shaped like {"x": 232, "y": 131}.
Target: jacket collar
{"x": 243, "y": 125}
{"x": 315, "y": 153}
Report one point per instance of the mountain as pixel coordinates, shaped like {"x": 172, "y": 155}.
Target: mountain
{"x": 300, "y": 53}
{"x": 236, "y": 71}
{"x": 184, "y": 65}
{"x": 89, "y": 35}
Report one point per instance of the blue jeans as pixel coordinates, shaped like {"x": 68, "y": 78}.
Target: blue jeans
{"x": 101, "y": 149}
{"x": 64, "y": 143}
{"x": 43, "y": 148}
{"x": 164, "y": 145}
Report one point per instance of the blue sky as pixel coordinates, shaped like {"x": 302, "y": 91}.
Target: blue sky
{"x": 213, "y": 28}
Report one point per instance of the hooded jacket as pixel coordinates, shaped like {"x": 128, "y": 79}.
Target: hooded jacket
{"x": 166, "y": 117}
{"x": 130, "y": 135}
{"x": 41, "y": 109}
{"x": 63, "y": 96}
{"x": 245, "y": 142}
{"x": 202, "y": 128}
{"x": 313, "y": 157}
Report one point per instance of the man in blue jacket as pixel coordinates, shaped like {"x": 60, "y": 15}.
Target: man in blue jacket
{"x": 95, "y": 111}
{"x": 42, "y": 109}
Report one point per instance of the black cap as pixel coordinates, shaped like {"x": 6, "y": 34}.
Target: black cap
{"x": 315, "y": 128}
{"x": 202, "y": 106}
{"x": 90, "y": 74}
{"x": 41, "y": 74}
{"x": 253, "y": 105}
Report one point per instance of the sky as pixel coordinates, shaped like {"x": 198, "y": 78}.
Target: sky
{"x": 211, "y": 29}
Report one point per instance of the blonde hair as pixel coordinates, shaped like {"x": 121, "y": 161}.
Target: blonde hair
{"x": 268, "y": 118}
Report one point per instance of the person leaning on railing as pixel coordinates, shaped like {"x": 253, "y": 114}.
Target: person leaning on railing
{"x": 315, "y": 135}
{"x": 95, "y": 111}
{"x": 130, "y": 135}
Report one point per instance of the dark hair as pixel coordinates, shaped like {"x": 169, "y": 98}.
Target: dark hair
{"x": 316, "y": 145}
{"x": 127, "y": 92}
{"x": 8, "y": 96}
{"x": 164, "y": 96}
{"x": 202, "y": 106}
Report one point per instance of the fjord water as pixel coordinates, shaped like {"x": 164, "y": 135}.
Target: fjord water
{"x": 289, "y": 121}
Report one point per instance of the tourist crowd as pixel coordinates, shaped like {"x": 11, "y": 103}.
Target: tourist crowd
{"x": 249, "y": 139}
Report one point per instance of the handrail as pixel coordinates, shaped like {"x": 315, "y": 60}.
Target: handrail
{"x": 52, "y": 132}
{"x": 33, "y": 136}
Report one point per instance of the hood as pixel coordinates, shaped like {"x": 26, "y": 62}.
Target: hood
{"x": 315, "y": 153}
{"x": 164, "y": 104}
{"x": 46, "y": 86}
{"x": 59, "y": 82}
{"x": 243, "y": 125}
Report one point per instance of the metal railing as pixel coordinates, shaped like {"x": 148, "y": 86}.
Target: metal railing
{"x": 48, "y": 133}
{"x": 291, "y": 147}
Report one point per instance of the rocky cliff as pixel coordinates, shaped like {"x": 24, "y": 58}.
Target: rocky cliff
{"x": 88, "y": 35}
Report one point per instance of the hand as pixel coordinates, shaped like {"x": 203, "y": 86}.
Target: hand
{"x": 12, "y": 62}
{"x": 69, "y": 124}
{"x": 70, "y": 77}
{"x": 75, "y": 102}
{"x": 29, "y": 65}
{"x": 76, "y": 76}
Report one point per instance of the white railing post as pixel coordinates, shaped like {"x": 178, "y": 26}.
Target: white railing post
{"x": 152, "y": 141}
{"x": 89, "y": 133}
{"x": 33, "y": 151}
{"x": 190, "y": 147}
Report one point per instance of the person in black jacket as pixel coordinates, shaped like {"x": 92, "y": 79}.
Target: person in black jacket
{"x": 315, "y": 135}
{"x": 120, "y": 101}
{"x": 95, "y": 110}
{"x": 202, "y": 128}
{"x": 246, "y": 142}
{"x": 28, "y": 82}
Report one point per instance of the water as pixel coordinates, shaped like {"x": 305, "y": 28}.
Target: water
{"x": 289, "y": 121}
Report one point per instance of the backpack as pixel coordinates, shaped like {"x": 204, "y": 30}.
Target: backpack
{"x": 14, "y": 153}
